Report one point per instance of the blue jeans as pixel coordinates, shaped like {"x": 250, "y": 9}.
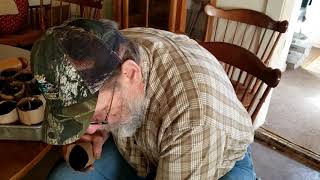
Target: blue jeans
{"x": 112, "y": 166}
{"x": 242, "y": 170}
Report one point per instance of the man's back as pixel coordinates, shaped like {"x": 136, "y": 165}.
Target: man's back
{"x": 194, "y": 125}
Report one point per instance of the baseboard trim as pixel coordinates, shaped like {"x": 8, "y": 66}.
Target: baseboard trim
{"x": 294, "y": 151}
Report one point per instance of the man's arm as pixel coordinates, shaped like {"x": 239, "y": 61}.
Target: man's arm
{"x": 194, "y": 153}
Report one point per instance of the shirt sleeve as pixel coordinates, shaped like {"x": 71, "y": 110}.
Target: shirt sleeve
{"x": 193, "y": 153}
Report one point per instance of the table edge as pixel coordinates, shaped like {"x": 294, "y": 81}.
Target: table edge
{"x": 32, "y": 163}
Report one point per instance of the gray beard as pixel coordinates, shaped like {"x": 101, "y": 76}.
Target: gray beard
{"x": 129, "y": 128}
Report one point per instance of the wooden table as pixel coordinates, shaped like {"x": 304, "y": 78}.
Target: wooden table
{"x": 10, "y": 51}
{"x": 17, "y": 158}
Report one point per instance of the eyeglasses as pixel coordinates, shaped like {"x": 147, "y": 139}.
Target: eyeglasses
{"x": 109, "y": 109}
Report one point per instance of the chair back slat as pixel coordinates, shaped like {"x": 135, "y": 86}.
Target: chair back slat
{"x": 255, "y": 86}
{"x": 60, "y": 13}
{"x": 226, "y": 67}
{"x": 239, "y": 79}
{"x": 229, "y": 70}
{"x": 246, "y": 80}
{"x": 90, "y": 9}
{"x": 69, "y": 9}
{"x": 208, "y": 33}
{"x": 247, "y": 88}
{"x": 50, "y": 15}
{"x": 31, "y": 17}
{"x": 235, "y": 31}
{"x": 253, "y": 100}
{"x": 253, "y": 36}
{"x": 267, "y": 60}
{"x": 146, "y": 15}
{"x": 244, "y": 34}
{"x": 225, "y": 30}
{"x": 81, "y": 11}
{"x": 233, "y": 72}
{"x": 261, "y": 101}
{"x": 216, "y": 30}
{"x": 260, "y": 42}
{"x": 267, "y": 46}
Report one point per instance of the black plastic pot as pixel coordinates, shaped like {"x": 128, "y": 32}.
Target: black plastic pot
{"x": 8, "y": 112}
{"x": 3, "y": 83}
{"x": 8, "y": 74}
{"x": 28, "y": 79}
{"x": 12, "y": 91}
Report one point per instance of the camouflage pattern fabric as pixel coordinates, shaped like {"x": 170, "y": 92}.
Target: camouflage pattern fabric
{"x": 71, "y": 63}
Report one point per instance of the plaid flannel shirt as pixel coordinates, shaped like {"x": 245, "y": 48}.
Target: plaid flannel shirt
{"x": 194, "y": 126}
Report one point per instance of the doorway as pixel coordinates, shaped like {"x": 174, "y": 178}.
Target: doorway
{"x": 293, "y": 118}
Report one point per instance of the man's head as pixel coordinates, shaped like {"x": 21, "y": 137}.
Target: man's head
{"x": 82, "y": 58}
{"x": 121, "y": 98}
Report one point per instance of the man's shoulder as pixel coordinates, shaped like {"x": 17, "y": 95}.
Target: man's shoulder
{"x": 144, "y": 30}
{"x": 152, "y": 34}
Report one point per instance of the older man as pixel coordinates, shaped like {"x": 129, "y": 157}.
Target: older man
{"x": 165, "y": 107}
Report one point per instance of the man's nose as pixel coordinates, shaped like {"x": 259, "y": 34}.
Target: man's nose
{"x": 97, "y": 117}
{"x": 93, "y": 128}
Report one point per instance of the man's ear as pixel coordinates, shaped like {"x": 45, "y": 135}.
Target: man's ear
{"x": 131, "y": 71}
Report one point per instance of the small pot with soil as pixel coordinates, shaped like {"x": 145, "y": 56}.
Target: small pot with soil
{"x": 3, "y": 83}
{"x": 8, "y": 74}
{"x": 13, "y": 90}
{"x": 30, "y": 110}
{"x": 28, "y": 79}
{"x": 8, "y": 112}
{"x": 25, "y": 76}
{"x": 35, "y": 92}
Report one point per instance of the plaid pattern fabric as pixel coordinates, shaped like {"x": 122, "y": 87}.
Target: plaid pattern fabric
{"x": 194, "y": 126}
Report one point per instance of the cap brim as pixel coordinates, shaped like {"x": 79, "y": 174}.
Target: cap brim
{"x": 70, "y": 123}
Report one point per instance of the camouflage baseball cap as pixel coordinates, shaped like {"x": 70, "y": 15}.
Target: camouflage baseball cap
{"x": 71, "y": 63}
